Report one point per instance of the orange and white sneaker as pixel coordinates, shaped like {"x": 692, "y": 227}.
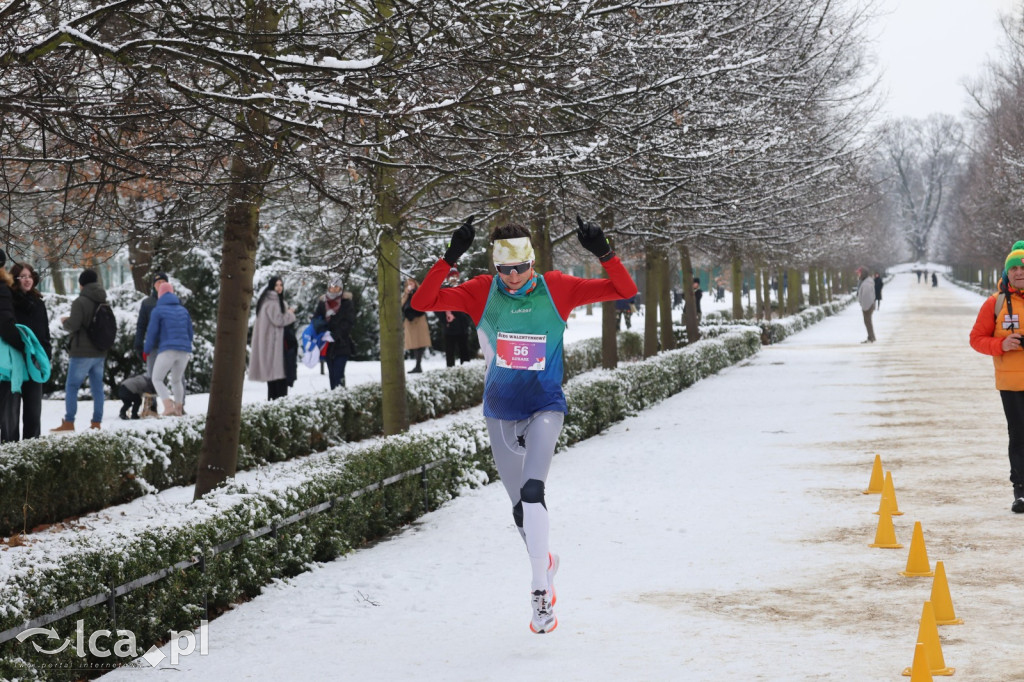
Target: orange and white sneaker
{"x": 552, "y": 569}
{"x": 543, "y": 613}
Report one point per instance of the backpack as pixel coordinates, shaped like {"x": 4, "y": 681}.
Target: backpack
{"x": 102, "y": 328}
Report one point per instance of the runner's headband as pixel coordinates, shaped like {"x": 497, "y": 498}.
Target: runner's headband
{"x": 517, "y": 250}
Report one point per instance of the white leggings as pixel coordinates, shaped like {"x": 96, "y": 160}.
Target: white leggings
{"x": 173, "y": 361}
{"x": 522, "y": 452}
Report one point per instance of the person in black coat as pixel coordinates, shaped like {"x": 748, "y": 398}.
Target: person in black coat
{"x": 456, "y": 325}
{"x": 697, "y": 294}
{"x": 336, "y": 313}
{"x": 878, "y": 291}
{"x": 10, "y": 334}
{"x": 142, "y": 324}
{"x": 29, "y": 310}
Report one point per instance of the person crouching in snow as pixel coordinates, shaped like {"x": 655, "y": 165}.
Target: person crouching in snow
{"x": 520, "y": 317}
{"x": 131, "y": 392}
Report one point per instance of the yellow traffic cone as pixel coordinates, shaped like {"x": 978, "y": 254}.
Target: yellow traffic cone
{"x": 942, "y": 603}
{"x": 919, "y": 671}
{"x": 875, "y": 484}
{"x": 885, "y": 534}
{"x": 889, "y": 496}
{"x": 928, "y": 634}
{"x": 917, "y": 561}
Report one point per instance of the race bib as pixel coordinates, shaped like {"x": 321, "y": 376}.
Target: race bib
{"x": 1011, "y": 322}
{"x": 521, "y": 351}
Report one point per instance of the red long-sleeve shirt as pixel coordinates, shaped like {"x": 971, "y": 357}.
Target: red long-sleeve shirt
{"x": 567, "y": 291}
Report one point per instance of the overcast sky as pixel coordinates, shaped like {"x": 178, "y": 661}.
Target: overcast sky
{"x": 927, "y": 49}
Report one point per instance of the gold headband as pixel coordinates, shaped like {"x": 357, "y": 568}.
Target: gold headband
{"x": 517, "y": 250}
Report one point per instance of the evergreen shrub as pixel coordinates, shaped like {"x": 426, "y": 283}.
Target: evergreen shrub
{"x": 113, "y": 467}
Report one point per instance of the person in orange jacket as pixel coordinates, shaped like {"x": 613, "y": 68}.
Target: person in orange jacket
{"x": 997, "y": 332}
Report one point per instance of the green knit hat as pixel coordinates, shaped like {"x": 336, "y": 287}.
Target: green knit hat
{"x": 1016, "y": 256}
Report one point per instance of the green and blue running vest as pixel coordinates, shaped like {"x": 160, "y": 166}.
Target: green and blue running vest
{"x": 522, "y": 343}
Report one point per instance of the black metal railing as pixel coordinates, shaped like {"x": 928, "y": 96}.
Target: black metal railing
{"x": 110, "y": 596}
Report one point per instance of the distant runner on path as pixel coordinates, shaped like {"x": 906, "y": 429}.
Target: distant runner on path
{"x": 520, "y": 318}
{"x": 997, "y": 332}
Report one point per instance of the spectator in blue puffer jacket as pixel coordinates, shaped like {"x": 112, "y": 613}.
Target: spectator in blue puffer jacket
{"x": 170, "y": 333}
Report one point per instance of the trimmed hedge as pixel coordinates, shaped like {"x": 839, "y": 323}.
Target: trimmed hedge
{"x": 47, "y": 480}
{"x": 42, "y": 584}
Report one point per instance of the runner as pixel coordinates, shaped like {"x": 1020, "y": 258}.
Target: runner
{"x": 520, "y": 318}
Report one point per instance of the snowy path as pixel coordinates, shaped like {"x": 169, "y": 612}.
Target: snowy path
{"x": 718, "y": 536}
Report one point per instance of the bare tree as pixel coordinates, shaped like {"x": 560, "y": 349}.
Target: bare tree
{"x": 923, "y": 159}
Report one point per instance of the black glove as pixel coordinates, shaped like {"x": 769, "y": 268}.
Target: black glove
{"x": 592, "y": 238}
{"x": 462, "y": 239}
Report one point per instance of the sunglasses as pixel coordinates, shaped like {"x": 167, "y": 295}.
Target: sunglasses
{"x": 518, "y": 268}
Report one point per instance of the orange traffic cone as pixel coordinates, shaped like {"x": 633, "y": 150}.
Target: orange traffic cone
{"x": 919, "y": 671}
{"x": 941, "y": 601}
{"x": 917, "y": 561}
{"x": 875, "y": 484}
{"x": 889, "y": 496}
{"x": 885, "y": 534}
{"x": 928, "y": 634}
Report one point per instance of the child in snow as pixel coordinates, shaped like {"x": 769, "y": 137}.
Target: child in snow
{"x": 131, "y": 392}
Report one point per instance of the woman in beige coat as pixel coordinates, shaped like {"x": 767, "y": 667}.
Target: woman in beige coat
{"x": 417, "y": 331}
{"x": 267, "y": 356}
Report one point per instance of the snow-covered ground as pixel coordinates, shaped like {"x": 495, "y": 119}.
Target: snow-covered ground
{"x": 721, "y": 535}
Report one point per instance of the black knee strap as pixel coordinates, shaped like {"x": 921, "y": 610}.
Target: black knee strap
{"x": 532, "y": 492}
{"x": 517, "y": 513}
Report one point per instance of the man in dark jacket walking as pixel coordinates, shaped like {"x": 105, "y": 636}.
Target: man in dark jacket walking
{"x": 86, "y": 360}
{"x": 145, "y": 310}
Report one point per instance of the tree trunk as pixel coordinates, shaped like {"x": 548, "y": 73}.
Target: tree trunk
{"x": 651, "y": 257}
{"x": 392, "y": 337}
{"x": 609, "y": 315}
{"x": 140, "y": 258}
{"x": 767, "y": 286}
{"x": 249, "y": 171}
{"x": 795, "y": 292}
{"x": 668, "y": 339}
{"x": 758, "y": 294}
{"x": 541, "y": 233}
{"x": 737, "y": 288}
{"x": 57, "y": 276}
{"x": 690, "y": 314}
{"x": 812, "y": 293}
{"x": 218, "y": 458}
{"x": 783, "y": 291}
